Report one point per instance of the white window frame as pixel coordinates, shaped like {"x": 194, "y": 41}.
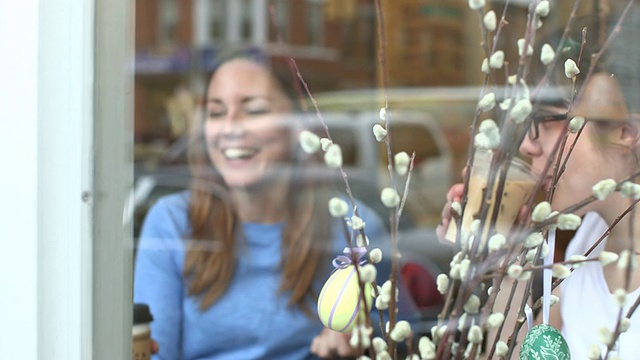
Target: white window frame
{"x": 66, "y": 104}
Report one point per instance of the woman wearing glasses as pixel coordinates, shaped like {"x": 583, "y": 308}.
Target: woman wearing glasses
{"x": 607, "y": 147}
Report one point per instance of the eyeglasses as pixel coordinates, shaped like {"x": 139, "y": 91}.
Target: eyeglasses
{"x": 534, "y": 131}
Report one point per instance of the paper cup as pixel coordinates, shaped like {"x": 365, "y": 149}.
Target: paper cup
{"x": 519, "y": 186}
{"x": 141, "y": 332}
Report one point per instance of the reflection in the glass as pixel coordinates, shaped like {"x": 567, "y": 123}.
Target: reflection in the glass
{"x": 232, "y": 267}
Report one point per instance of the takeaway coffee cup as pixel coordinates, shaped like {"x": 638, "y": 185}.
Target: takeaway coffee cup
{"x": 519, "y": 186}
{"x": 141, "y": 332}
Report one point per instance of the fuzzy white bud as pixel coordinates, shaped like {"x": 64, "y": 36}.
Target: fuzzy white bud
{"x": 489, "y": 20}
{"x": 383, "y": 114}
{"x": 495, "y": 320}
{"x": 434, "y": 332}
{"x": 338, "y": 207}
{"x": 501, "y": 348}
{"x": 389, "y": 197}
{"x": 541, "y": 211}
{"x": 514, "y": 271}
{"x": 625, "y": 260}
{"x": 454, "y": 272}
{"x": 485, "y": 66}
{"x": 568, "y": 221}
{"x": 579, "y": 260}
{"x": 603, "y": 188}
{"x": 476, "y": 4}
{"x": 325, "y": 143}
{"x": 542, "y": 9}
{"x": 570, "y": 68}
{"x": 560, "y": 271}
{"x": 442, "y": 282}
{"x": 547, "y": 54}
{"x": 401, "y": 161}
{"x": 462, "y": 321}
{"x": 309, "y": 142}
{"x": 381, "y": 303}
{"x": 487, "y": 102}
{"x": 401, "y": 331}
{"x": 496, "y": 242}
{"x": 553, "y": 299}
{"x": 362, "y": 241}
{"x": 383, "y": 355}
{"x": 620, "y": 296}
{"x": 359, "y": 338}
{"x": 534, "y": 240}
{"x": 475, "y": 334}
{"x": 520, "y": 43}
{"x": 531, "y": 255}
{"x": 427, "y": 348}
{"x": 379, "y": 132}
{"x": 594, "y": 352}
{"x": 375, "y": 255}
{"x": 464, "y": 268}
{"x": 607, "y": 257}
{"x": 379, "y": 344}
{"x": 625, "y": 324}
{"x": 472, "y": 305}
{"x": 576, "y": 124}
{"x": 333, "y": 156}
{"x": 521, "y": 110}
{"x": 504, "y": 105}
{"x": 544, "y": 251}
{"x": 474, "y": 228}
{"x": 488, "y": 136}
{"x": 357, "y": 223}
{"x": 630, "y": 190}
{"x": 496, "y": 60}
{"x": 604, "y": 335}
{"x": 368, "y": 273}
{"x": 511, "y": 79}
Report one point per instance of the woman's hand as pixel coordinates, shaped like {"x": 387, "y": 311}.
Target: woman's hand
{"x": 454, "y": 194}
{"x": 330, "y": 344}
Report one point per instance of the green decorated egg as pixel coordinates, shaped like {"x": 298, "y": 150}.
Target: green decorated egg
{"x": 339, "y": 303}
{"x": 544, "y": 342}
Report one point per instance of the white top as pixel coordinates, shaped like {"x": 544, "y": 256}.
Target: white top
{"x": 586, "y": 302}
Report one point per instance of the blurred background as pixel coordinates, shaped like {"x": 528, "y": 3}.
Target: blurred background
{"x": 433, "y": 59}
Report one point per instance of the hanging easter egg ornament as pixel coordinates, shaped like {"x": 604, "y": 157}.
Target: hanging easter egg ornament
{"x": 544, "y": 342}
{"x": 340, "y": 303}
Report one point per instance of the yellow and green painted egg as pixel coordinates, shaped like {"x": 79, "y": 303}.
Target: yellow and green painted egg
{"x": 544, "y": 342}
{"x": 340, "y": 303}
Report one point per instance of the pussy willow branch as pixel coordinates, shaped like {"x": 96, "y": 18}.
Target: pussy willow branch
{"x": 606, "y": 233}
{"x": 472, "y": 131}
{"x": 450, "y": 308}
{"x": 296, "y": 71}
{"x": 405, "y": 193}
{"x": 563, "y": 39}
{"x": 632, "y": 249}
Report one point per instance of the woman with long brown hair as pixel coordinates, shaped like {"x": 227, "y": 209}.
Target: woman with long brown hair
{"x": 231, "y": 268}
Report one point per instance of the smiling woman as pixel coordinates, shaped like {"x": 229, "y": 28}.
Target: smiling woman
{"x": 244, "y": 129}
{"x": 231, "y": 268}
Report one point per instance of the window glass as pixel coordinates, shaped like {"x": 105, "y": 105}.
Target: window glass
{"x": 325, "y": 65}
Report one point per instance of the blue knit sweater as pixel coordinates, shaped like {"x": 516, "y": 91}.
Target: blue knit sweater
{"x": 251, "y": 319}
